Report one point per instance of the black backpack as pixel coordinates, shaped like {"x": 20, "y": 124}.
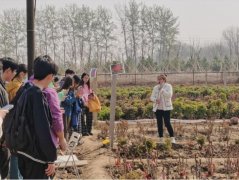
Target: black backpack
{"x": 15, "y": 129}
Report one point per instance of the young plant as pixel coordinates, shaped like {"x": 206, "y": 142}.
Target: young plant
{"x": 201, "y": 142}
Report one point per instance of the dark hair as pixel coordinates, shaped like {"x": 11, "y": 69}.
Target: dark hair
{"x": 77, "y": 79}
{"x": 43, "y": 66}
{"x": 21, "y": 68}
{"x": 8, "y": 62}
{"x": 82, "y": 76}
{"x": 68, "y": 81}
{"x": 56, "y": 79}
{"x": 69, "y": 71}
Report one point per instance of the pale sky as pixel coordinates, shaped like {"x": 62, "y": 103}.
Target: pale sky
{"x": 203, "y": 20}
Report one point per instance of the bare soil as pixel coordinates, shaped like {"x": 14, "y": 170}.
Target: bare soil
{"x": 179, "y": 162}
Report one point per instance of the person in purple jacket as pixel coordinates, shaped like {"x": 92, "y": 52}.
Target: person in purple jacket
{"x": 57, "y": 132}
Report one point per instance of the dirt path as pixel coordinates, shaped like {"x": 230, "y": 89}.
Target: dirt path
{"x": 98, "y": 158}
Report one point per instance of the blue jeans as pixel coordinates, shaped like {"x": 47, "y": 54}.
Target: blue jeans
{"x": 14, "y": 171}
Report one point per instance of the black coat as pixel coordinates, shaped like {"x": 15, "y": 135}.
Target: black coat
{"x": 39, "y": 121}
{"x": 4, "y": 152}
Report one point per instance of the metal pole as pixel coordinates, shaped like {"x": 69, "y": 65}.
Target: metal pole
{"x": 30, "y": 35}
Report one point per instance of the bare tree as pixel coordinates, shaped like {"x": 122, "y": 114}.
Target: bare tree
{"x": 51, "y": 17}
{"x": 5, "y": 37}
{"x": 106, "y": 29}
{"x": 71, "y": 17}
{"x": 133, "y": 17}
{"x": 228, "y": 35}
{"x": 13, "y": 28}
{"x": 121, "y": 11}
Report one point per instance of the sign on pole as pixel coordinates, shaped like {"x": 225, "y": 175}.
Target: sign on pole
{"x": 93, "y": 72}
{"x": 115, "y": 69}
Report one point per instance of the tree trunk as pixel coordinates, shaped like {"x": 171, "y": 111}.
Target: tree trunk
{"x": 125, "y": 42}
{"x": 89, "y": 56}
{"x": 106, "y": 50}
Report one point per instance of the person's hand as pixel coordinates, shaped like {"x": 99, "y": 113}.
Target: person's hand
{"x": 50, "y": 169}
{"x": 63, "y": 144}
{"x": 3, "y": 113}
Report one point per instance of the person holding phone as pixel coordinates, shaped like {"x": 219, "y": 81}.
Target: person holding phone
{"x": 8, "y": 67}
{"x": 12, "y": 88}
{"x": 162, "y": 98}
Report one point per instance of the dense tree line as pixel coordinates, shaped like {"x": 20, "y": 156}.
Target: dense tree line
{"x": 144, "y": 37}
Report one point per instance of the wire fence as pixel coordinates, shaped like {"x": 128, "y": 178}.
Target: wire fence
{"x": 190, "y": 78}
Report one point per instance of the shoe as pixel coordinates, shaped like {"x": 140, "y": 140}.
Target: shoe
{"x": 91, "y": 134}
{"x": 85, "y": 134}
{"x": 173, "y": 140}
{"x": 161, "y": 140}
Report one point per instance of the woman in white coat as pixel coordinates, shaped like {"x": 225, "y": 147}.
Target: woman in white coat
{"x": 162, "y": 99}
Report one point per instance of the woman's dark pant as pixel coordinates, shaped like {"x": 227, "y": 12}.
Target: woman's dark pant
{"x": 86, "y": 124}
{"x": 160, "y": 116}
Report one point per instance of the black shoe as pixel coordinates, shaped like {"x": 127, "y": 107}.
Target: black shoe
{"x": 91, "y": 134}
{"x": 85, "y": 134}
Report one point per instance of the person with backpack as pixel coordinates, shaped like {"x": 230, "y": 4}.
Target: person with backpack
{"x": 67, "y": 101}
{"x": 77, "y": 106}
{"x": 8, "y": 66}
{"x": 12, "y": 87}
{"x": 32, "y": 124}
{"x": 68, "y": 73}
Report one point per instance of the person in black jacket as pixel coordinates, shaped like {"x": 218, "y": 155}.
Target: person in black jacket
{"x": 8, "y": 67}
{"x": 36, "y": 161}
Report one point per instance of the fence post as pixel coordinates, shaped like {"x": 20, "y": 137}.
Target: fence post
{"x": 135, "y": 78}
{"x": 193, "y": 76}
{"x": 206, "y": 77}
{"x": 224, "y": 78}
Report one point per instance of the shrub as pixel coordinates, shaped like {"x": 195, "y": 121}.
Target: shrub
{"x": 118, "y": 113}
{"x": 201, "y": 112}
{"x": 130, "y": 112}
{"x": 104, "y": 114}
{"x": 178, "y": 108}
{"x": 148, "y": 111}
{"x": 201, "y": 141}
{"x": 189, "y": 102}
{"x": 216, "y": 109}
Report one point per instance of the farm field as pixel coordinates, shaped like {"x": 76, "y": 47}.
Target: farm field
{"x": 207, "y": 139}
{"x": 204, "y": 150}
{"x": 190, "y": 102}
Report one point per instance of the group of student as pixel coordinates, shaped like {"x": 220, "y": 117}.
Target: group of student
{"x": 74, "y": 93}
{"x": 37, "y": 116}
